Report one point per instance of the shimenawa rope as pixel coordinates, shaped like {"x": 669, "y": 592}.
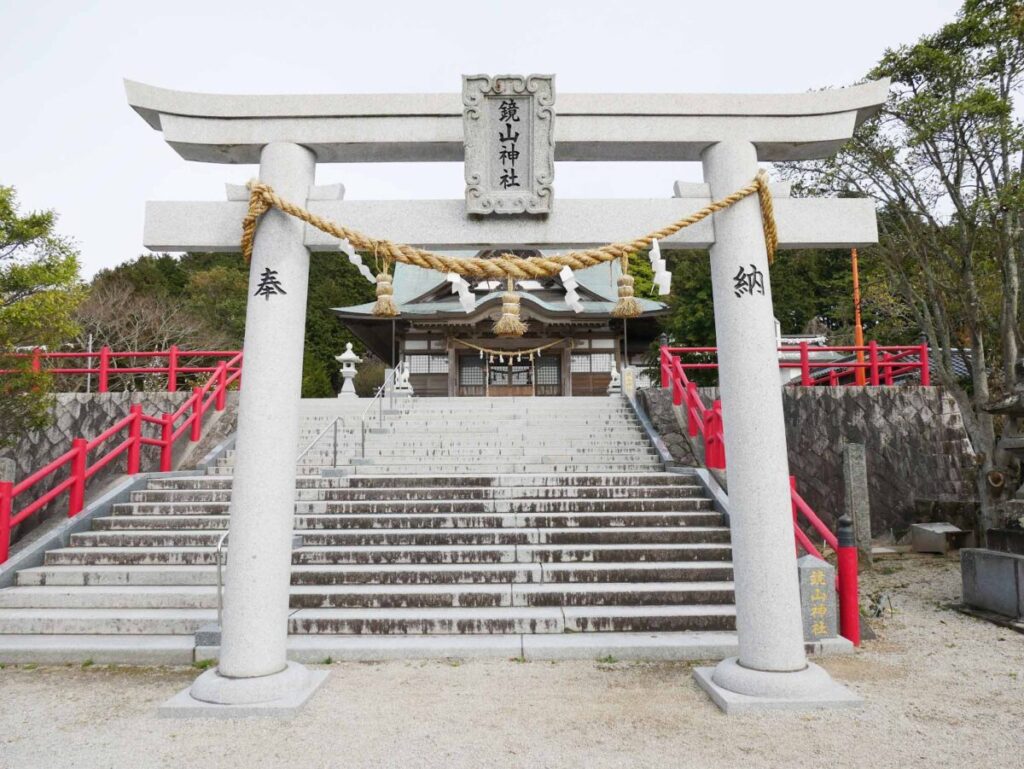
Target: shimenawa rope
{"x": 262, "y": 198}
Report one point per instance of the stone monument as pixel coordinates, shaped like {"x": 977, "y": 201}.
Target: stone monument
{"x": 615, "y": 383}
{"x": 403, "y": 388}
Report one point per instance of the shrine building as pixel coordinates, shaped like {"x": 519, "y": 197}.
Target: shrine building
{"x": 454, "y": 353}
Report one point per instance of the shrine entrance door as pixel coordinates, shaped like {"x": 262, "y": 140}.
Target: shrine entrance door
{"x": 510, "y": 378}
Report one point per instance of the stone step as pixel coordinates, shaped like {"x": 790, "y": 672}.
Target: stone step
{"x": 354, "y": 424}
{"x": 420, "y": 480}
{"x": 381, "y": 596}
{"x": 485, "y": 467}
{"x": 349, "y": 574}
{"x": 109, "y": 575}
{"x": 486, "y": 426}
{"x": 141, "y": 650}
{"x": 534, "y": 553}
{"x": 594, "y": 452}
{"x": 483, "y": 506}
{"x": 629, "y": 436}
{"x": 638, "y": 571}
{"x": 412, "y": 439}
{"x": 516, "y": 480}
{"x": 513, "y": 620}
{"x": 470, "y": 469}
{"x": 67, "y": 621}
{"x": 454, "y": 493}
{"x": 149, "y": 650}
{"x": 470, "y": 537}
{"x": 491, "y": 432}
{"x": 702, "y": 516}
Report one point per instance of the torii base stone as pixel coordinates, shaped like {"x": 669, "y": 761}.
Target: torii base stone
{"x": 290, "y": 690}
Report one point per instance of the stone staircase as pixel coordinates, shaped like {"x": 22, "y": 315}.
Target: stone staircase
{"x": 470, "y": 526}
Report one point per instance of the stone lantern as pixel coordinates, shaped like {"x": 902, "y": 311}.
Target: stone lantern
{"x": 348, "y": 361}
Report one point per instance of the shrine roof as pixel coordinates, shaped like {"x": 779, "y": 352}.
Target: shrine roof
{"x": 452, "y": 307}
{"x": 414, "y": 287}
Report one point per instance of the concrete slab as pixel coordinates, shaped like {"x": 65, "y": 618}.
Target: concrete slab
{"x": 993, "y": 581}
{"x": 732, "y": 703}
{"x": 100, "y": 649}
{"x": 631, "y": 646}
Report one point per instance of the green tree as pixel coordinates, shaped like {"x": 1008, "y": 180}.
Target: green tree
{"x": 39, "y": 289}
{"x": 218, "y": 296}
{"x": 942, "y": 160}
{"x": 209, "y": 293}
{"x": 333, "y": 282}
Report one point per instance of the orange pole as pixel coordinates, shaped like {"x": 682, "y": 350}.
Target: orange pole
{"x": 858, "y": 328}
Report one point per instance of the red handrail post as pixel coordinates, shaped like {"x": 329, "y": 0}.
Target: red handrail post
{"x": 714, "y": 440}
{"x": 849, "y": 601}
{"x": 135, "y": 435}
{"x": 6, "y": 508}
{"x": 166, "y": 431}
{"x": 197, "y": 415}
{"x": 692, "y": 398}
{"x": 172, "y": 369}
{"x": 792, "y": 504}
{"x": 792, "y": 497}
{"x": 222, "y": 387}
{"x": 805, "y": 365}
{"x": 37, "y": 362}
{"x": 873, "y": 361}
{"x": 76, "y": 492}
{"x": 104, "y": 382}
{"x": 887, "y": 365}
{"x": 926, "y": 377}
{"x": 677, "y": 391}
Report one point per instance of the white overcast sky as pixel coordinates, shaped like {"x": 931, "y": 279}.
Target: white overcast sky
{"x": 69, "y": 141}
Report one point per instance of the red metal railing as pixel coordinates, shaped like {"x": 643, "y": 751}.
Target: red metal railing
{"x": 178, "y": 363}
{"x": 707, "y": 423}
{"x": 881, "y": 364}
{"x": 80, "y": 468}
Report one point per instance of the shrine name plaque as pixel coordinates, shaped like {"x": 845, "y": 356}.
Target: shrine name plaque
{"x": 509, "y": 130}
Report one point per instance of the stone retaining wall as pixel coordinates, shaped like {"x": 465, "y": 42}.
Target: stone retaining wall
{"x": 86, "y": 415}
{"x": 918, "y": 453}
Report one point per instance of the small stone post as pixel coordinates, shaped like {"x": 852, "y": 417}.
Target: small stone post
{"x": 772, "y": 669}
{"x": 855, "y": 488}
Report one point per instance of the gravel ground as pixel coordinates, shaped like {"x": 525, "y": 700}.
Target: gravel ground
{"x": 941, "y": 689}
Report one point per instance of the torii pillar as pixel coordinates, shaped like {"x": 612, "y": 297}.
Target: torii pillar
{"x": 772, "y": 669}
{"x": 253, "y": 674}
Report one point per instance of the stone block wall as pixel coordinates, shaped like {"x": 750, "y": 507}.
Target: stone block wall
{"x": 917, "y": 449}
{"x": 86, "y": 415}
{"x": 657, "y": 404}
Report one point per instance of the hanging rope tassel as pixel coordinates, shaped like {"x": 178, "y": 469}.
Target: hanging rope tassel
{"x": 509, "y": 324}
{"x": 627, "y": 306}
{"x": 385, "y": 306}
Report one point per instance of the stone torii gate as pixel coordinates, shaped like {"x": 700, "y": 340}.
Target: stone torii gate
{"x": 728, "y": 134}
